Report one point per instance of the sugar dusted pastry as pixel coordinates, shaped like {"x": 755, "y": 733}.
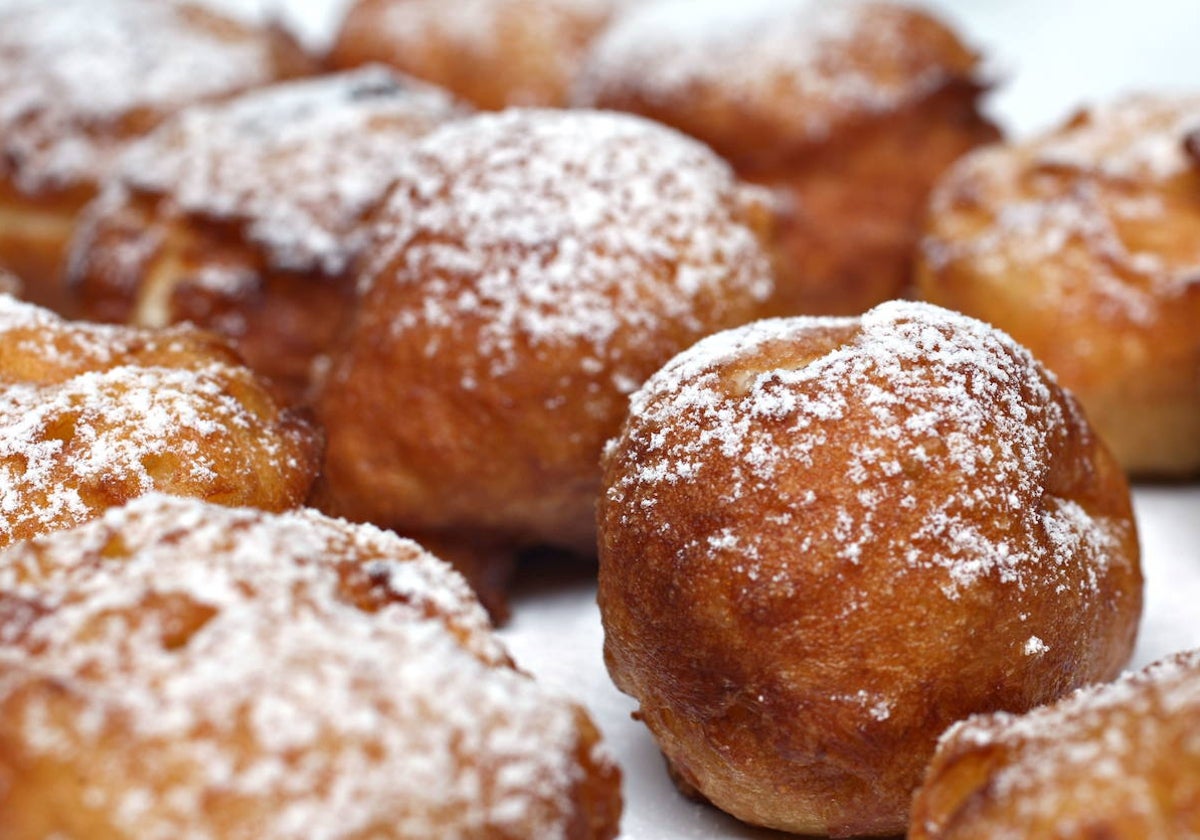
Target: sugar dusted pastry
{"x": 92, "y": 416}
{"x": 529, "y": 271}
{"x": 822, "y": 541}
{"x": 493, "y": 53}
{"x": 1084, "y": 244}
{"x": 245, "y": 217}
{"x": 1118, "y": 761}
{"x": 177, "y": 669}
{"x": 849, "y": 110}
{"x": 78, "y": 80}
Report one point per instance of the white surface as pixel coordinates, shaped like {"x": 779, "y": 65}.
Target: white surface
{"x": 1053, "y": 57}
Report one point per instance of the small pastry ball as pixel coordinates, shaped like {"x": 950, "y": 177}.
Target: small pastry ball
{"x": 92, "y": 416}
{"x": 529, "y": 271}
{"x": 849, "y": 110}
{"x": 492, "y": 53}
{"x": 79, "y": 79}
{"x": 822, "y": 541}
{"x": 1119, "y": 761}
{"x": 1084, "y": 245}
{"x": 245, "y": 217}
{"x": 176, "y": 669}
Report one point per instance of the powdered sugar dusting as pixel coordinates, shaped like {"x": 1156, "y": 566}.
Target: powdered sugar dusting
{"x": 299, "y": 164}
{"x": 91, "y": 412}
{"x": 302, "y": 677}
{"x": 911, "y": 395}
{"x": 808, "y": 64}
{"x": 566, "y": 228}
{"x": 72, "y": 71}
{"x": 473, "y": 25}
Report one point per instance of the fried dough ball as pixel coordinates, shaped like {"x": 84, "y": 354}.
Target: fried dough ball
{"x": 823, "y": 540}
{"x": 177, "y": 669}
{"x": 1119, "y": 761}
{"x": 92, "y": 416}
{"x": 244, "y": 217}
{"x": 1084, "y": 244}
{"x": 493, "y": 53}
{"x": 78, "y": 80}
{"x": 530, "y": 270}
{"x": 849, "y": 111}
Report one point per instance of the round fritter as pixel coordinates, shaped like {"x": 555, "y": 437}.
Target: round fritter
{"x": 92, "y": 416}
{"x": 1119, "y": 761}
{"x": 493, "y": 53}
{"x": 176, "y": 669}
{"x": 849, "y": 110}
{"x": 78, "y": 80}
{"x": 822, "y": 541}
{"x": 530, "y": 270}
{"x": 244, "y": 217}
{"x": 1084, "y": 244}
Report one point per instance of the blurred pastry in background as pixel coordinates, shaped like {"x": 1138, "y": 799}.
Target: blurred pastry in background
{"x": 1084, "y": 244}
{"x": 849, "y": 110}
{"x": 824, "y": 540}
{"x": 245, "y": 216}
{"x": 528, "y": 272}
{"x": 177, "y": 669}
{"x": 492, "y": 53}
{"x": 92, "y": 416}
{"x": 78, "y": 80}
{"x": 1119, "y": 761}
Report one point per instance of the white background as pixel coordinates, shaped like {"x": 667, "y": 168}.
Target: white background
{"x": 1049, "y": 57}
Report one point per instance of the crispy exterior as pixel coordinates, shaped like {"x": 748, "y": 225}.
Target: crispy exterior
{"x": 822, "y": 541}
{"x": 1084, "y": 244}
{"x": 231, "y": 674}
{"x": 492, "y": 53}
{"x": 93, "y": 416}
{"x": 849, "y": 111}
{"x": 1118, "y": 761}
{"x": 531, "y": 269}
{"x": 245, "y": 217}
{"x": 81, "y": 79}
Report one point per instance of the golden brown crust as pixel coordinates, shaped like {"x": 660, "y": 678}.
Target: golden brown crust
{"x": 530, "y": 270}
{"x": 492, "y": 53}
{"x": 94, "y": 416}
{"x": 80, "y": 80}
{"x": 246, "y": 217}
{"x": 1118, "y": 761}
{"x": 824, "y": 540}
{"x": 1083, "y": 245}
{"x": 849, "y": 111}
{"x": 232, "y": 674}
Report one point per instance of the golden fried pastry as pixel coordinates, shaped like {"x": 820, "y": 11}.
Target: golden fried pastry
{"x": 1084, "y": 244}
{"x": 92, "y": 416}
{"x": 849, "y": 110}
{"x": 492, "y": 53}
{"x": 529, "y": 271}
{"x": 1118, "y": 761}
{"x": 823, "y": 540}
{"x": 244, "y": 217}
{"x": 78, "y": 80}
{"x": 176, "y": 669}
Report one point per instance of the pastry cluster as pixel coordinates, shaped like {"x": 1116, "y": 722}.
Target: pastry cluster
{"x": 622, "y": 280}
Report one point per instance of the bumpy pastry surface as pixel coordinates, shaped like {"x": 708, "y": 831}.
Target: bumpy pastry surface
{"x": 92, "y": 416}
{"x": 244, "y": 217}
{"x": 529, "y": 271}
{"x": 849, "y": 110}
{"x": 493, "y": 53}
{"x": 1084, "y": 244}
{"x": 1119, "y": 761}
{"x": 182, "y": 670}
{"x": 79, "y": 79}
{"x": 822, "y": 541}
